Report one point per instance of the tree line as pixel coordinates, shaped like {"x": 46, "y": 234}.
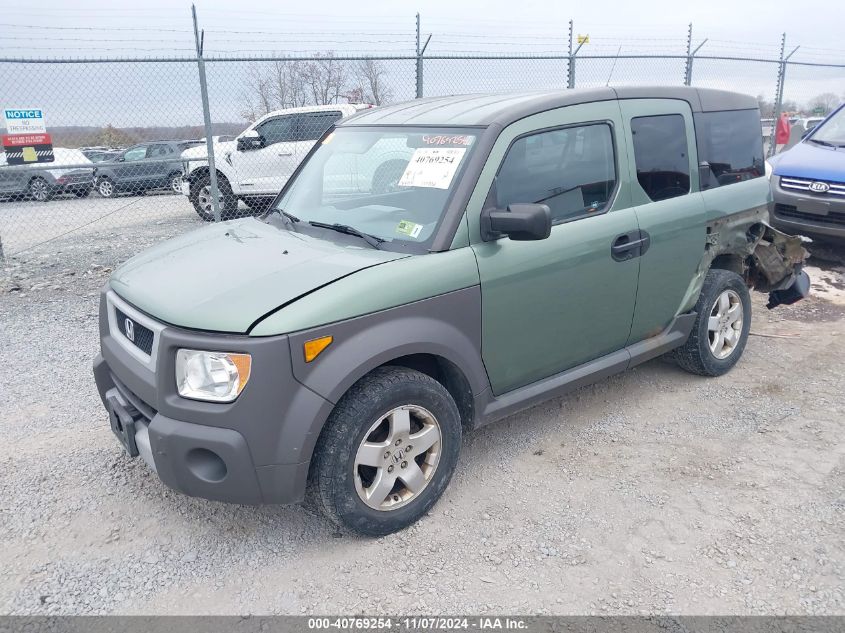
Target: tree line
{"x": 320, "y": 81}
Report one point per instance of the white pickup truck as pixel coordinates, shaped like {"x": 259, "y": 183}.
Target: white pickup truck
{"x": 256, "y": 165}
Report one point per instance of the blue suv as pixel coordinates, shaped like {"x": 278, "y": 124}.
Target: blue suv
{"x": 808, "y": 183}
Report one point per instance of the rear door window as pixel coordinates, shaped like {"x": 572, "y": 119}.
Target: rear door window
{"x": 661, "y": 155}
{"x": 310, "y": 126}
{"x": 730, "y": 147}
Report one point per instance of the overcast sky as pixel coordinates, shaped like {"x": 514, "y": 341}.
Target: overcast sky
{"x": 143, "y": 94}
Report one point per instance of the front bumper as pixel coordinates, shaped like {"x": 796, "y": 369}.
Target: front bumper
{"x": 254, "y": 450}
{"x": 806, "y": 213}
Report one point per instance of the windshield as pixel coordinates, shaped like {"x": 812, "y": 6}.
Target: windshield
{"x": 391, "y": 183}
{"x": 833, "y": 131}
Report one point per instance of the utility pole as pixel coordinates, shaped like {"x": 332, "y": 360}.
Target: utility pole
{"x": 206, "y": 115}
{"x": 582, "y": 39}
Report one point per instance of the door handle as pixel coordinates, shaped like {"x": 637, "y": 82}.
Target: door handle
{"x": 630, "y": 245}
{"x": 285, "y": 153}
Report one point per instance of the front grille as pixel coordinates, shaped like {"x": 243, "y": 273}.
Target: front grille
{"x": 802, "y": 184}
{"x": 792, "y": 213}
{"x": 140, "y": 336}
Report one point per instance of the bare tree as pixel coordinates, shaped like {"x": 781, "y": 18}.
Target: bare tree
{"x": 258, "y": 98}
{"x": 825, "y": 101}
{"x": 326, "y": 77}
{"x": 371, "y": 84}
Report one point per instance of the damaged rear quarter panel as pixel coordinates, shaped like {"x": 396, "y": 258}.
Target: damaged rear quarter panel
{"x": 740, "y": 239}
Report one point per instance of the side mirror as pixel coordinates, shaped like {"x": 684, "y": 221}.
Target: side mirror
{"x": 521, "y": 222}
{"x": 249, "y": 141}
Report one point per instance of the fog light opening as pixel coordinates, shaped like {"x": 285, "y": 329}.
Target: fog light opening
{"x": 206, "y": 465}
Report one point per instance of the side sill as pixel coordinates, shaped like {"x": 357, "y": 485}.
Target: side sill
{"x": 495, "y": 408}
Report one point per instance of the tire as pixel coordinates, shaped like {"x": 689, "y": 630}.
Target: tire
{"x": 200, "y": 197}
{"x": 174, "y": 182}
{"x": 387, "y": 176}
{"x": 39, "y": 190}
{"x": 370, "y": 415}
{"x": 723, "y": 322}
{"x": 81, "y": 193}
{"x": 106, "y": 188}
{"x": 258, "y": 205}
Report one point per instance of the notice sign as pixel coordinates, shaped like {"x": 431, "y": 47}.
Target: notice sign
{"x": 27, "y": 140}
{"x": 25, "y": 121}
{"x": 432, "y": 167}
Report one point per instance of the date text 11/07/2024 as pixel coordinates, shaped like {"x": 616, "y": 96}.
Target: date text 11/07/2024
{"x": 419, "y": 623}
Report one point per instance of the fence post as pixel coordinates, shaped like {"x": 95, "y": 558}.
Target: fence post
{"x": 779, "y": 91}
{"x": 206, "y": 115}
{"x": 691, "y": 56}
{"x": 420, "y": 53}
{"x": 572, "y": 54}
{"x": 570, "y": 67}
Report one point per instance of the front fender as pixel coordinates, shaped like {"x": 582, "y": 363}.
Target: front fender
{"x": 448, "y": 325}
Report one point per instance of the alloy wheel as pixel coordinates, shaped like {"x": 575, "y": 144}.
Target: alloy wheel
{"x": 724, "y": 327}
{"x": 397, "y": 457}
{"x": 105, "y": 188}
{"x": 176, "y": 184}
{"x": 38, "y": 190}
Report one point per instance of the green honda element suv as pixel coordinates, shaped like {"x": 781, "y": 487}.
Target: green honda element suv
{"x": 431, "y": 267}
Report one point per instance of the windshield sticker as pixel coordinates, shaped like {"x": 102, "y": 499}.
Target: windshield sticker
{"x": 412, "y": 229}
{"x": 445, "y": 139}
{"x": 432, "y": 167}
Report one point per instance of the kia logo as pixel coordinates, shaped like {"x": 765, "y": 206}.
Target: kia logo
{"x": 819, "y": 187}
{"x": 129, "y": 328}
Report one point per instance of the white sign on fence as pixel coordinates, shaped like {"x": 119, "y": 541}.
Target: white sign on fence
{"x": 25, "y": 121}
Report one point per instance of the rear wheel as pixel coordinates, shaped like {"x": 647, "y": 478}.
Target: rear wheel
{"x": 387, "y": 452}
{"x": 200, "y": 196}
{"x": 81, "y": 193}
{"x": 39, "y": 189}
{"x": 720, "y": 332}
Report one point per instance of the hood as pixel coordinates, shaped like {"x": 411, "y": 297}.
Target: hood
{"x": 808, "y": 160}
{"x": 225, "y": 277}
{"x": 201, "y": 151}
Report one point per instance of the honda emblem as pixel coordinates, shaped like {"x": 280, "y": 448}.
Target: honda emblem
{"x": 129, "y": 328}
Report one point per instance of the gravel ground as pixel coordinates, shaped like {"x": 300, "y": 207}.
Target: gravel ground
{"x": 652, "y": 492}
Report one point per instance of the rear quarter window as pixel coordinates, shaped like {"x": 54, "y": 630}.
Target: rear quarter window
{"x": 731, "y": 143}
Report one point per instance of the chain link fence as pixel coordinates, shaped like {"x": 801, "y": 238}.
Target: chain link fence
{"x": 134, "y": 138}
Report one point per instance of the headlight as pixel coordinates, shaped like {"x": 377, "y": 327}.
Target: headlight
{"x": 211, "y": 376}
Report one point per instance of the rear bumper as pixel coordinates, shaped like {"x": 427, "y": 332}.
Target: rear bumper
{"x": 807, "y": 214}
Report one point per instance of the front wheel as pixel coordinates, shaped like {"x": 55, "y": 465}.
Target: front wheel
{"x": 201, "y": 198}
{"x": 720, "y": 332}
{"x": 174, "y": 181}
{"x": 105, "y": 187}
{"x": 387, "y": 451}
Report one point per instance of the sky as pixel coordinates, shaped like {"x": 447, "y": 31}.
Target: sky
{"x": 148, "y": 94}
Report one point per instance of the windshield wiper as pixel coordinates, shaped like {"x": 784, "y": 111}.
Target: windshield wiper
{"x": 372, "y": 240}
{"x": 821, "y": 142}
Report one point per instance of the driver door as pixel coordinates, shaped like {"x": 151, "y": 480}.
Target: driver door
{"x": 131, "y": 171}
{"x": 551, "y": 305}
{"x": 266, "y": 169}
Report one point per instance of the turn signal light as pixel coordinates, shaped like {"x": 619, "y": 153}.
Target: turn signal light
{"x": 313, "y": 347}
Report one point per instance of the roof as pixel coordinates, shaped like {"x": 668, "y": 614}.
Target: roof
{"x": 505, "y": 108}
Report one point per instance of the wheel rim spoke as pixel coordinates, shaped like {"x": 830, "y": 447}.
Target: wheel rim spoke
{"x": 724, "y": 303}
{"x": 425, "y": 439}
{"x": 371, "y": 454}
{"x": 380, "y": 488}
{"x": 412, "y": 476}
{"x": 713, "y": 323}
{"x": 400, "y": 424}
